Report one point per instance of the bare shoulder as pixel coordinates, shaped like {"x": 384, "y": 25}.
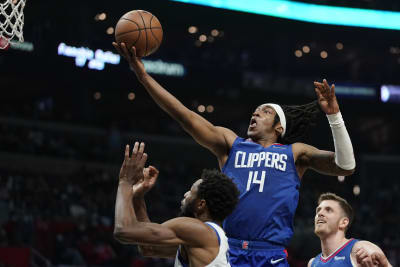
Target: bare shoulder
{"x": 310, "y": 262}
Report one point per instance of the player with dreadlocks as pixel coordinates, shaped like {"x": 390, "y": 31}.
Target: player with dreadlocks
{"x": 266, "y": 172}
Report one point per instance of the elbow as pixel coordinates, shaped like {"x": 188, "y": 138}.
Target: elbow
{"x": 120, "y": 235}
{"x": 348, "y": 172}
{"x": 185, "y": 119}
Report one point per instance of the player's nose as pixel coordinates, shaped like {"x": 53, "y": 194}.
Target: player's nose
{"x": 255, "y": 114}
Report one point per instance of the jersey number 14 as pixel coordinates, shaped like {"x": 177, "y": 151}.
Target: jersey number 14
{"x": 253, "y": 179}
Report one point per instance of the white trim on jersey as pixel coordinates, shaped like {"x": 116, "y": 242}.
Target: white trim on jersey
{"x": 221, "y": 260}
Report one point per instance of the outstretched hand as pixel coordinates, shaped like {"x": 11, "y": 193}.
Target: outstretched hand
{"x": 326, "y": 97}
{"x": 133, "y": 166}
{"x": 129, "y": 54}
{"x": 150, "y": 176}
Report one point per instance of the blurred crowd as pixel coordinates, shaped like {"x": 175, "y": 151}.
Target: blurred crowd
{"x": 69, "y": 219}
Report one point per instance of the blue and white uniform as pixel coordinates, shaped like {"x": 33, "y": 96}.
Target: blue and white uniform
{"x": 222, "y": 258}
{"x": 261, "y": 226}
{"x": 340, "y": 257}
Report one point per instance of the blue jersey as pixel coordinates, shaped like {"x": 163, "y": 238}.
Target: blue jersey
{"x": 269, "y": 192}
{"x": 341, "y": 257}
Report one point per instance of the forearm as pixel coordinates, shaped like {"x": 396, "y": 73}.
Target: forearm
{"x": 140, "y": 209}
{"x": 164, "y": 99}
{"x": 124, "y": 213}
{"x": 142, "y": 216}
{"x": 344, "y": 154}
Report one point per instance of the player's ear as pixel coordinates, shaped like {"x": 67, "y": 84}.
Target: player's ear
{"x": 344, "y": 222}
{"x": 201, "y": 204}
{"x": 279, "y": 129}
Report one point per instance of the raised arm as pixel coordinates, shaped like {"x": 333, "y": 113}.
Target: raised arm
{"x": 340, "y": 162}
{"x": 217, "y": 139}
{"x": 129, "y": 230}
{"x": 139, "y": 190}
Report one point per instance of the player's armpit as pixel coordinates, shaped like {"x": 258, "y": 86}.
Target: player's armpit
{"x": 157, "y": 251}
{"x": 321, "y": 161}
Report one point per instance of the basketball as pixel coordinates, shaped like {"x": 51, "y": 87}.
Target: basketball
{"x": 140, "y": 29}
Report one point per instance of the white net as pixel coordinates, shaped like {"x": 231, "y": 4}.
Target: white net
{"x": 11, "y": 21}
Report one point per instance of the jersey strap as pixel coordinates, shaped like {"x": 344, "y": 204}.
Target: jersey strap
{"x": 181, "y": 260}
{"x": 210, "y": 225}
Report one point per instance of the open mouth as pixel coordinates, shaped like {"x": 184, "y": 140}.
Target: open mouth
{"x": 321, "y": 221}
{"x": 253, "y": 123}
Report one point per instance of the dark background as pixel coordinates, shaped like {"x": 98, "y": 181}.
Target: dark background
{"x": 60, "y": 148}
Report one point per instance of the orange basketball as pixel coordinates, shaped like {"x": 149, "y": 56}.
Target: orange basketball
{"x": 140, "y": 29}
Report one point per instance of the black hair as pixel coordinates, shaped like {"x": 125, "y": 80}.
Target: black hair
{"x": 299, "y": 120}
{"x": 219, "y": 192}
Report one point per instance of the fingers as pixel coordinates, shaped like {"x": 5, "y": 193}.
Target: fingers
{"x": 135, "y": 150}
{"x": 363, "y": 257}
{"x": 126, "y": 152}
{"x": 333, "y": 90}
{"x": 138, "y": 154}
{"x": 125, "y": 50}
{"x": 143, "y": 159}
{"x": 326, "y": 85}
{"x": 319, "y": 88}
{"x": 153, "y": 172}
{"x": 133, "y": 51}
{"x": 318, "y": 84}
{"x": 318, "y": 92}
{"x": 141, "y": 148}
{"x": 116, "y": 46}
{"x": 122, "y": 50}
{"x": 379, "y": 259}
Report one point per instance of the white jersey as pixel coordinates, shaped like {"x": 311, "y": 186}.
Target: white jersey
{"x": 222, "y": 258}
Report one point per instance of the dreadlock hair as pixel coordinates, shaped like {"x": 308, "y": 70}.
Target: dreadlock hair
{"x": 299, "y": 120}
{"x": 219, "y": 192}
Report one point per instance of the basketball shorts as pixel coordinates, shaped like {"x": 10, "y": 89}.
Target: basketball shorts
{"x": 256, "y": 254}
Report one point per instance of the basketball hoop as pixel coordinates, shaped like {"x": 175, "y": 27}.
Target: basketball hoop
{"x": 11, "y": 21}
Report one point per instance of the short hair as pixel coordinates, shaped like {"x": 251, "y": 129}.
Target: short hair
{"x": 219, "y": 192}
{"x": 299, "y": 120}
{"x": 347, "y": 209}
